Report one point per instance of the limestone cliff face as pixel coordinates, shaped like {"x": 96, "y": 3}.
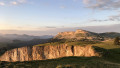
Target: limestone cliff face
{"x": 47, "y": 52}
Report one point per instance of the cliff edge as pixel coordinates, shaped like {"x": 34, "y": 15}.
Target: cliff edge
{"x": 47, "y": 52}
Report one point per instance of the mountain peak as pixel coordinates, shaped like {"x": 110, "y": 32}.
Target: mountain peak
{"x": 78, "y": 34}
{"x": 80, "y": 31}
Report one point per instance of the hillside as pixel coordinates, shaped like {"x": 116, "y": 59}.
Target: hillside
{"x": 110, "y": 34}
{"x": 78, "y": 34}
{"x": 10, "y": 41}
{"x": 110, "y": 59}
{"x": 10, "y": 37}
{"x": 83, "y": 35}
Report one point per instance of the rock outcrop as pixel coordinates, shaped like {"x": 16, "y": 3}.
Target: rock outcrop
{"x": 47, "y": 52}
{"x": 78, "y": 34}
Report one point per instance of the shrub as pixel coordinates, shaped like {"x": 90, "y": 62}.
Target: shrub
{"x": 116, "y": 41}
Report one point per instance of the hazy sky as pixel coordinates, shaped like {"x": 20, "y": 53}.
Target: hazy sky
{"x": 51, "y": 14}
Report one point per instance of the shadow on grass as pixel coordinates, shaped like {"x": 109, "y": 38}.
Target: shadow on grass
{"x": 65, "y": 62}
{"x": 113, "y": 55}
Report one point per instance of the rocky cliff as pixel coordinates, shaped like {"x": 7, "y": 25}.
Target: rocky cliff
{"x": 47, "y": 52}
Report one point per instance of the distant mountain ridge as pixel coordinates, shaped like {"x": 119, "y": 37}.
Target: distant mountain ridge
{"x": 83, "y": 34}
{"x": 110, "y": 34}
{"x": 78, "y": 34}
{"x": 24, "y": 37}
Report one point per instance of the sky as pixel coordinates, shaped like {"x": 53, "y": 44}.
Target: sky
{"x": 44, "y": 15}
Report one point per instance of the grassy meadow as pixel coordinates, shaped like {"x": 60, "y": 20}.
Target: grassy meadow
{"x": 111, "y": 58}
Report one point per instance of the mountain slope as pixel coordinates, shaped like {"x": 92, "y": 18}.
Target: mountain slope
{"x": 83, "y": 34}
{"x": 78, "y": 34}
{"x": 11, "y": 37}
{"x": 110, "y": 34}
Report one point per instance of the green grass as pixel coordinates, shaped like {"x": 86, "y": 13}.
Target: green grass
{"x": 3, "y": 45}
{"x": 113, "y": 51}
{"x": 80, "y": 43}
{"x": 107, "y": 45}
{"x": 110, "y": 59}
{"x": 53, "y": 44}
{"x": 67, "y": 62}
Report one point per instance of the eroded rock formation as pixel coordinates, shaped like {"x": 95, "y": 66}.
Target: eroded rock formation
{"x": 78, "y": 34}
{"x": 47, "y": 52}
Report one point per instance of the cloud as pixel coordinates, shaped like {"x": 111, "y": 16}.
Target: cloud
{"x": 50, "y": 27}
{"x": 96, "y": 20}
{"x": 98, "y": 29}
{"x": 102, "y": 4}
{"x": 115, "y": 17}
{"x": 12, "y": 2}
{"x": 109, "y": 18}
{"x": 2, "y": 3}
{"x": 86, "y": 2}
{"x": 105, "y": 28}
{"x": 22, "y": 1}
